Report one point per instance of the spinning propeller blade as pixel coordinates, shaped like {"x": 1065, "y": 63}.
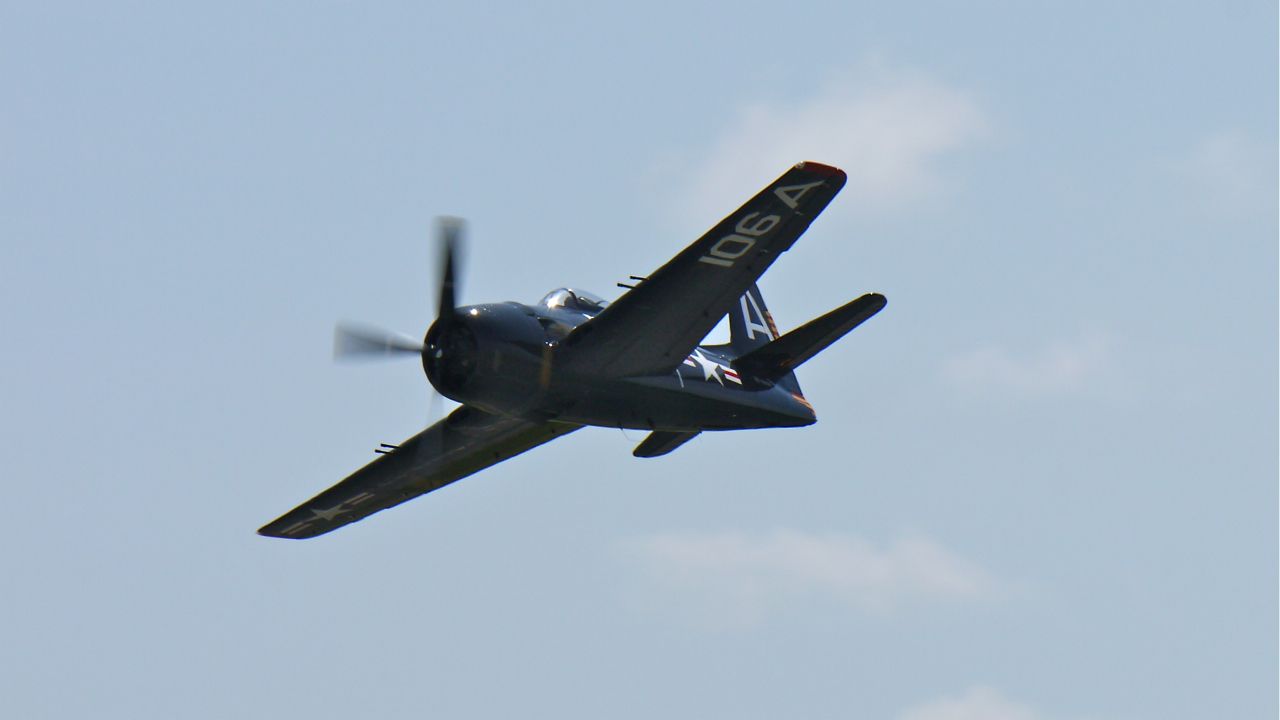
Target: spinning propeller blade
{"x": 363, "y": 342}
{"x": 450, "y": 244}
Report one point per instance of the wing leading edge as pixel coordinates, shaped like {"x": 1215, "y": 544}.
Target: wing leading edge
{"x": 465, "y": 442}
{"x": 653, "y": 327}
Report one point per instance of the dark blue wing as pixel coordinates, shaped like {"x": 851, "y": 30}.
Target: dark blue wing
{"x": 465, "y": 442}
{"x": 653, "y": 327}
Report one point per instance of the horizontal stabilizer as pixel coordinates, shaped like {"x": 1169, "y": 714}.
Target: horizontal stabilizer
{"x": 661, "y": 442}
{"x": 791, "y": 350}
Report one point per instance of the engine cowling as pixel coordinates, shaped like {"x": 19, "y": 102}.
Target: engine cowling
{"x": 489, "y": 356}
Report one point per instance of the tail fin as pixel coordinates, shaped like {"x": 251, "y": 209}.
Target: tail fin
{"x": 751, "y": 328}
{"x": 750, "y": 324}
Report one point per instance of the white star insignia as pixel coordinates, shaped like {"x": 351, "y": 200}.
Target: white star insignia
{"x": 709, "y": 367}
{"x": 329, "y": 514}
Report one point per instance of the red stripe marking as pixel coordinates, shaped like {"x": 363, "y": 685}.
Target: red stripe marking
{"x": 816, "y": 167}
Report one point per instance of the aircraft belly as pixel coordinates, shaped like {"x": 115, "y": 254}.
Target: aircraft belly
{"x": 674, "y": 403}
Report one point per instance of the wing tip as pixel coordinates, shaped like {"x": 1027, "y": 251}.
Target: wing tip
{"x": 819, "y": 168}
{"x": 269, "y": 531}
{"x": 294, "y": 531}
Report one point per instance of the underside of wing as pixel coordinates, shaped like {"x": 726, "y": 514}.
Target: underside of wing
{"x": 465, "y": 442}
{"x": 653, "y": 327}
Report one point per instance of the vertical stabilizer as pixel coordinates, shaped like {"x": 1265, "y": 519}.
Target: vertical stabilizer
{"x": 750, "y": 324}
{"x": 751, "y": 327}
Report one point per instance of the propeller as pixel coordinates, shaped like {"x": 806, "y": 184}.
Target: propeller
{"x": 365, "y": 342}
{"x": 353, "y": 341}
{"x": 442, "y": 336}
{"x": 450, "y": 243}
{"x": 446, "y": 346}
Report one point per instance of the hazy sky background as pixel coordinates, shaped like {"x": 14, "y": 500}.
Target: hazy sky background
{"x": 1043, "y": 485}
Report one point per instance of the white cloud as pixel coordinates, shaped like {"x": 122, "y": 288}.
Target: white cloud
{"x": 1062, "y": 366}
{"x": 886, "y": 129}
{"x": 740, "y": 577}
{"x": 1234, "y": 173}
{"x": 978, "y": 703}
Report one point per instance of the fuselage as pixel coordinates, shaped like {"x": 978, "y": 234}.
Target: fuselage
{"x": 507, "y": 357}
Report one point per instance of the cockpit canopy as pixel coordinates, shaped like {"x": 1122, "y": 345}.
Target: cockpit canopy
{"x": 577, "y": 300}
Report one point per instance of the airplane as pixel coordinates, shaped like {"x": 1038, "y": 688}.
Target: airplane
{"x": 527, "y": 374}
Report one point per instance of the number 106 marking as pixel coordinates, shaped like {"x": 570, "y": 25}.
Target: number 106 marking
{"x": 731, "y": 247}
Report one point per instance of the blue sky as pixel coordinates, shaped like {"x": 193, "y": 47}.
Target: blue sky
{"x": 1043, "y": 484}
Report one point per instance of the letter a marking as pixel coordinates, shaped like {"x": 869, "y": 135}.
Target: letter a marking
{"x": 748, "y": 320}
{"x": 791, "y": 194}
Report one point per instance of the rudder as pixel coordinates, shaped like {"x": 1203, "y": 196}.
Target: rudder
{"x": 751, "y": 327}
{"x": 750, "y": 324}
